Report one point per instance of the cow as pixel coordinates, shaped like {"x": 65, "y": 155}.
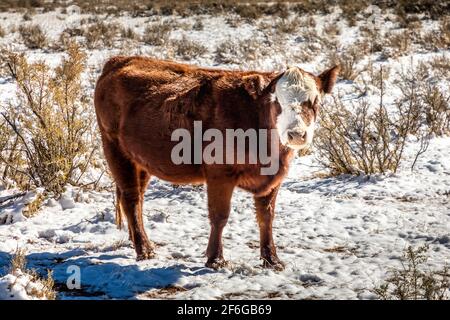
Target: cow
{"x": 141, "y": 101}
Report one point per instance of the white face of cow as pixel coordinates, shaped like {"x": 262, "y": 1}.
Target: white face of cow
{"x": 297, "y": 93}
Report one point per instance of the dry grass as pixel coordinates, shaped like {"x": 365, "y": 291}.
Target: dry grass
{"x": 37, "y": 287}
{"x": 33, "y": 207}
{"x": 165, "y": 292}
{"x": 18, "y": 261}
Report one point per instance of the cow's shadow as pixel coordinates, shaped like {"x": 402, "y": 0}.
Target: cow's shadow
{"x": 330, "y": 186}
{"x": 102, "y": 277}
{"x": 157, "y": 190}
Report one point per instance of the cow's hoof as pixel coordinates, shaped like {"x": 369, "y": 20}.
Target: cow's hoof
{"x": 217, "y": 263}
{"x": 273, "y": 263}
{"x": 147, "y": 252}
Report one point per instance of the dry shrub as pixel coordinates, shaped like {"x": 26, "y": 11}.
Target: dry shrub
{"x": 101, "y": 34}
{"x": 28, "y": 15}
{"x": 248, "y": 11}
{"x": 63, "y": 42}
{"x": 33, "y": 36}
{"x": 52, "y": 123}
{"x": 441, "y": 66}
{"x": 428, "y": 8}
{"x": 311, "y": 22}
{"x": 188, "y": 49}
{"x": 74, "y": 32}
{"x": 377, "y": 76}
{"x": 37, "y": 286}
{"x": 398, "y": 44}
{"x": 2, "y": 32}
{"x": 237, "y": 52}
{"x": 437, "y": 39}
{"x": 357, "y": 142}
{"x": 368, "y": 140}
{"x": 287, "y": 26}
{"x": 351, "y": 8}
{"x": 198, "y": 25}
{"x": 348, "y": 59}
{"x": 128, "y": 33}
{"x": 66, "y": 38}
{"x": 373, "y": 37}
{"x": 311, "y": 6}
{"x": 306, "y": 54}
{"x": 233, "y": 21}
{"x": 157, "y": 34}
{"x": 412, "y": 282}
{"x": 332, "y": 29}
{"x": 429, "y": 103}
{"x": 436, "y": 107}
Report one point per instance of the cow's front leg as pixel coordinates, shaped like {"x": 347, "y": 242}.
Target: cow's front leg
{"x": 219, "y": 198}
{"x": 265, "y": 212}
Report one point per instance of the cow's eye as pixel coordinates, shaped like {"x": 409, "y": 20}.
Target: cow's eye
{"x": 315, "y": 107}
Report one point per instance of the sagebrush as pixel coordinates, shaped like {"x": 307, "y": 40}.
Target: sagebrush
{"x": 51, "y": 127}
{"x": 413, "y": 282}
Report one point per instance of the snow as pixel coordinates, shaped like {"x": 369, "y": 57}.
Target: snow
{"x": 339, "y": 236}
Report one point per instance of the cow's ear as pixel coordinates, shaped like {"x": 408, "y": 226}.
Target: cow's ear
{"x": 328, "y": 79}
{"x": 273, "y": 83}
{"x": 254, "y": 84}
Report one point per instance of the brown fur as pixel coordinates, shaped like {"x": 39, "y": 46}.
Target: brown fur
{"x": 140, "y": 101}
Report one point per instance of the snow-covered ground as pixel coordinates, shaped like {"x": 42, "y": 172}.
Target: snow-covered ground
{"x": 339, "y": 236}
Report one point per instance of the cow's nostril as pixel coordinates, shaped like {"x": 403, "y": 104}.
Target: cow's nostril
{"x": 291, "y": 135}
{"x": 295, "y": 136}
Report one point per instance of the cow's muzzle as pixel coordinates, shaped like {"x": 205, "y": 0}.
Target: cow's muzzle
{"x": 297, "y": 139}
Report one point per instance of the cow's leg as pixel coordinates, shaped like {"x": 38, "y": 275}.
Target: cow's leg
{"x": 127, "y": 178}
{"x": 265, "y": 211}
{"x": 219, "y": 198}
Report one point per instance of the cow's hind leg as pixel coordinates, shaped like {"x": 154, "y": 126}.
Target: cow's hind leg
{"x": 130, "y": 183}
{"x": 265, "y": 211}
{"x": 219, "y": 198}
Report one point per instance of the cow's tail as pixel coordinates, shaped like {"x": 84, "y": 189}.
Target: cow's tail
{"x": 119, "y": 210}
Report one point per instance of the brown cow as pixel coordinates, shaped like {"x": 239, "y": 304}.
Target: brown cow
{"x": 141, "y": 101}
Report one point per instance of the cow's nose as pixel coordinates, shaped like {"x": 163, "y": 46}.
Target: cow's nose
{"x": 296, "y": 137}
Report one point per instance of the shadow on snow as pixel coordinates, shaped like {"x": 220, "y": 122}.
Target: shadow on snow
{"x": 101, "y": 277}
